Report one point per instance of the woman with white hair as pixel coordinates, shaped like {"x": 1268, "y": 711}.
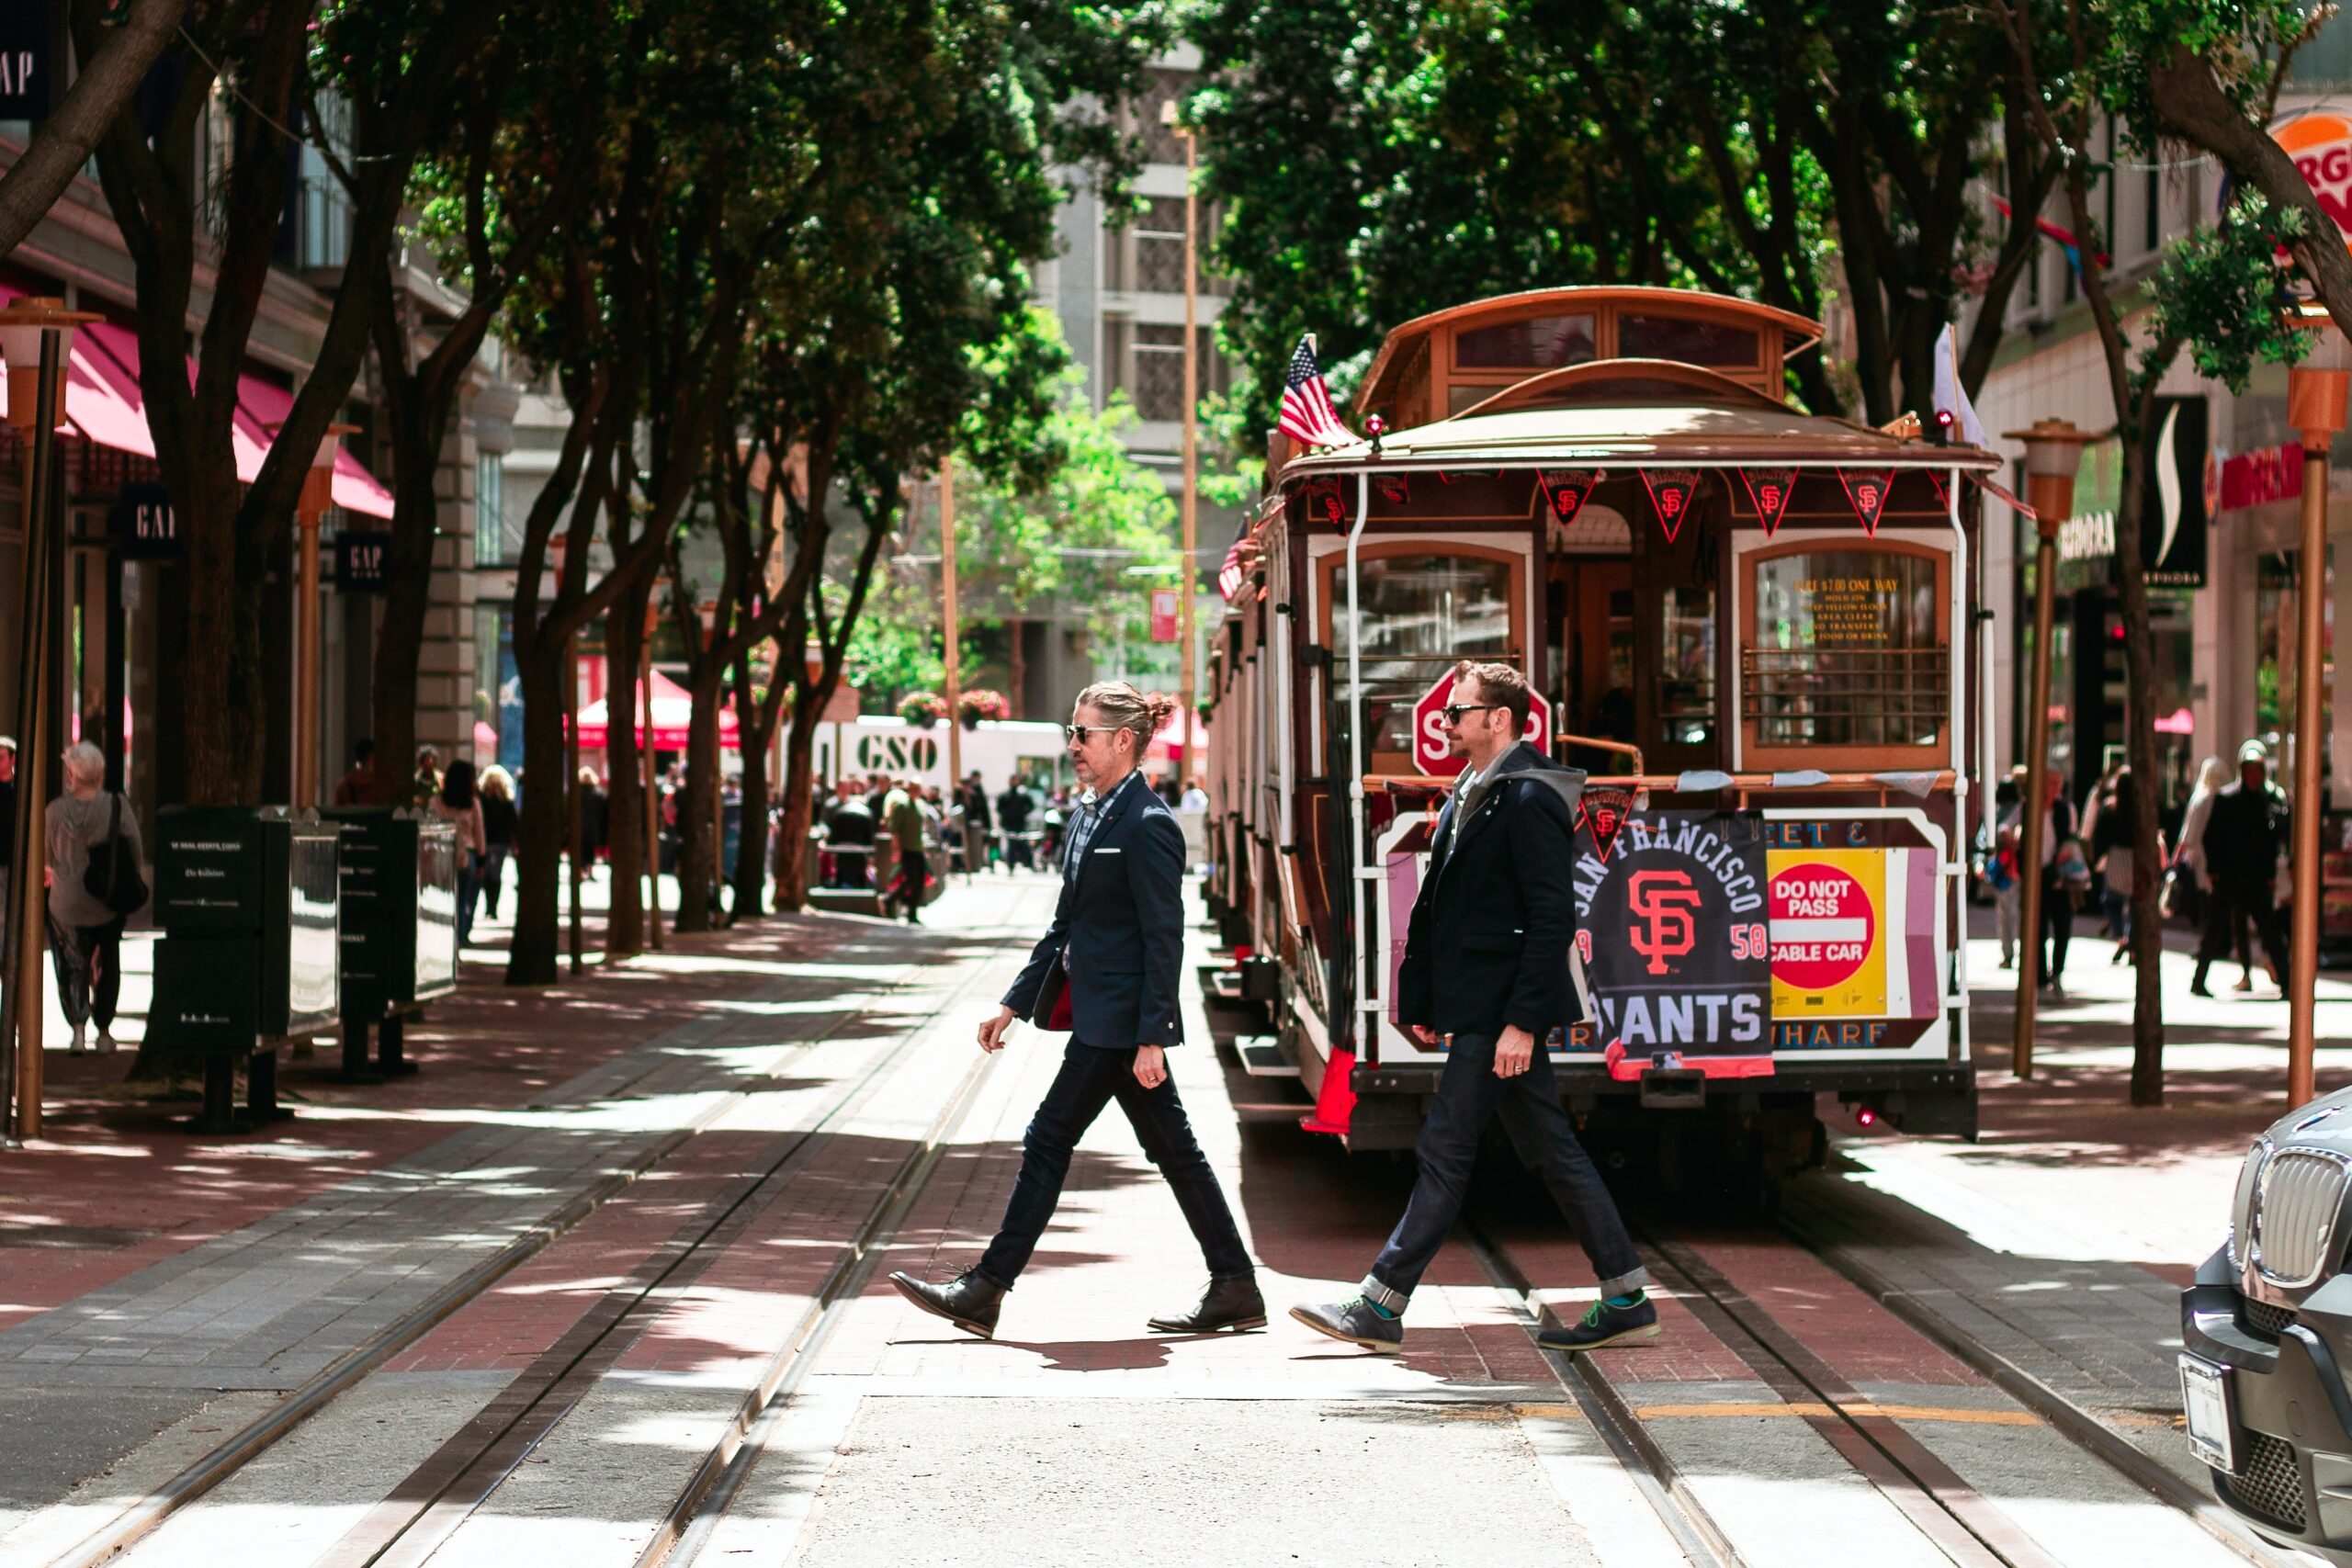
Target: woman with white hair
{"x": 85, "y": 934}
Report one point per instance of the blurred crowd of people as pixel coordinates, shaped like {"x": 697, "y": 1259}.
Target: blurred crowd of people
{"x": 2223, "y": 867}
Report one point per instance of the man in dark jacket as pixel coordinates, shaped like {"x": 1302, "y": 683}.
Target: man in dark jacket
{"x": 1486, "y": 970}
{"x": 1013, "y": 809}
{"x": 1115, "y": 953}
{"x": 2245, "y": 837}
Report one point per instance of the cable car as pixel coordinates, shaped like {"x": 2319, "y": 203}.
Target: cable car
{"x": 1719, "y": 600}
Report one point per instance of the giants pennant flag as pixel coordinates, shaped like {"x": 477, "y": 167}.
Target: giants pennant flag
{"x": 1769, "y": 489}
{"x": 1672, "y": 492}
{"x": 1866, "y": 488}
{"x": 1308, "y": 413}
{"x": 1234, "y": 571}
{"x": 1566, "y": 490}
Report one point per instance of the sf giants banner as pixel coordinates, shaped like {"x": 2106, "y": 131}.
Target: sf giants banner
{"x": 1672, "y": 934}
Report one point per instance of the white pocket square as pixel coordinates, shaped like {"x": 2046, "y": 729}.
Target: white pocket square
{"x": 1107, "y": 851}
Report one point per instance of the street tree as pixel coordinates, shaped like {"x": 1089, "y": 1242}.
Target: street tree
{"x": 511, "y": 163}
{"x": 1375, "y": 164}
{"x": 62, "y": 144}
{"x": 2219, "y": 291}
{"x": 254, "y": 66}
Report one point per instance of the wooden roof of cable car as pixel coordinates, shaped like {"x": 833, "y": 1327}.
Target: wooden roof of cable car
{"x": 1621, "y": 412}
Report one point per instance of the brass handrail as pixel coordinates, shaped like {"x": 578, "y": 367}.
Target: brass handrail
{"x": 1560, "y": 743}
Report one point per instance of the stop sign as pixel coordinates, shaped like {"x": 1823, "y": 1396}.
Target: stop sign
{"x": 1429, "y": 729}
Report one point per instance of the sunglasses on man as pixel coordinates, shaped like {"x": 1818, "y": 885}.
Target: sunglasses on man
{"x": 1453, "y": 712}
{"x": 1077, "y": 733}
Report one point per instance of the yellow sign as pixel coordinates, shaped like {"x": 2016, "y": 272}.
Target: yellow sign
{"x": 1829, "y": 933}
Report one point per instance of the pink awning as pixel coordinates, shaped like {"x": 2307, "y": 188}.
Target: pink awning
{"x": 104, "y": 404}
{"x": 266, "y": 407}
{"x": 673, "y": 708}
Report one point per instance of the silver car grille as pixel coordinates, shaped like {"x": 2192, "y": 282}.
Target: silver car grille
{"x": 2241, "y": 1203}
{"x": 2301, "y": 1193}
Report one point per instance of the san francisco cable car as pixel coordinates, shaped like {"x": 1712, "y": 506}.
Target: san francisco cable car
{"x": 1718, "y": 600}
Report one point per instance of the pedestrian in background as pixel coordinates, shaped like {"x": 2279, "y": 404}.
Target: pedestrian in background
{"x": 849, "y": 836}
{"x": 1014, "y": 810}
{"x": 7, "y": 817}
{"x": 2001, "y": 863}
{"x": 2190, "y": 883}
{"x": 427, "y": 785}
{"x": 902, "y": 819}
{"x": 1115, "y": 955}
{"x": 2064, "y": 872}
{"x": 979, "y": 825}
{"x": 85, "y": 931}
{"x": 2112, "y": 857}
{"x": 2246, "y": 834}
{"x": 459, "y": 804}
{"x": 595, "y": 819}
{"x": 499, "y": 820}
{"x": 358, "y": 787}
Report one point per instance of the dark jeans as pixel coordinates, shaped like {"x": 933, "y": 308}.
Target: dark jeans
{"x": 468, "y": 878}
{"x": 493, "y": 874}
{"x": 2226, "y": 909}
{"x": 1091, "y": 1078}
{"x": 1468, "y": 1096}
{"x": 2057, "y": 926}
{"x": 89, "y": 970}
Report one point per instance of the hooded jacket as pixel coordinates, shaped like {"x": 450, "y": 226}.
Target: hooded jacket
{"x": 1488, "y": 941}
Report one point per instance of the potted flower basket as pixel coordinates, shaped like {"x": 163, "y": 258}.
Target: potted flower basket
{"x": 923, "y": 709}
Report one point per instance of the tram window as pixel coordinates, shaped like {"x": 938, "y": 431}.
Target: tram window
{"x": 1534, "y": 343}
{"x": 1686, "y": 692}
{"x": 1846, "y": 647}
{"x": 1684, "y": 339}
{"x": 1421, "y": 613}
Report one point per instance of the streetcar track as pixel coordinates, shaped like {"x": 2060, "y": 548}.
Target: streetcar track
{"x": 2084, "y": 1430}
{"x": 1959, "y": 1520}
{"x": 129, "y": 1528}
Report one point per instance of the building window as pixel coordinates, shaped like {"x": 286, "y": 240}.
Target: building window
{"x": 1159, "y": 246}
{"x": 1159, "y": 387}
{"x": 1162, "y": 145}
{"x": 490, "y": 509}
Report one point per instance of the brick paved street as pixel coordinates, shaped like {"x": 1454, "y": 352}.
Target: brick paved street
{"x": 705, "y": 1132}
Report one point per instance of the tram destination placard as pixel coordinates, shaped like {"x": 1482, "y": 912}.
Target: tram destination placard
{"x": 1672, "y": 933}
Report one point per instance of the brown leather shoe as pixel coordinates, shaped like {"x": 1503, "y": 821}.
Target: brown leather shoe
{"x": 968, "y": 1301}
{"x": 1226, "y": 1303}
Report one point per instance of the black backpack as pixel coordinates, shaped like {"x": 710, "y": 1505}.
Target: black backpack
{"x": 112, "y": 876}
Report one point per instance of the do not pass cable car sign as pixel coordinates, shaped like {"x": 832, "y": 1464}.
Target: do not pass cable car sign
{"x": 1431, "y": 753}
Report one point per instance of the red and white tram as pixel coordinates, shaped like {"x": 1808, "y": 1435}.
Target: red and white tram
{"x": 1722, "y": 602}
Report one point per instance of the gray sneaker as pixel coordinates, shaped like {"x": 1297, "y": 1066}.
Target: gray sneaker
{"x": 1354, "y": 1321}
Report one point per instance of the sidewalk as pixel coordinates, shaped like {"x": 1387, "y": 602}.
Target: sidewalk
{"x": 153, "y": 1283}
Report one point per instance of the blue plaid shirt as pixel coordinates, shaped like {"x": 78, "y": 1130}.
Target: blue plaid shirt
{"x": 1091, "y": 809}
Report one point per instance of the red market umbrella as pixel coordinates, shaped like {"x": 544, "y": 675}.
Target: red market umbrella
{"x": 673, "y": 708}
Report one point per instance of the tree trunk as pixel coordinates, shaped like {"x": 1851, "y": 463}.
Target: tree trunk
{"x": 544, "y": 823}
{"x": 751, "y": 878}
{"x": 625, "y": 786}
{"x": 698, "y": 810}
{"x": 2140, "y": 753}
{"x": 408, "y": 592}
{"x": 792, "y": 824}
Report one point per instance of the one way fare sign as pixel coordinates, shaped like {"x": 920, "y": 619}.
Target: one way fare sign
{"x": 1672, "y": 937}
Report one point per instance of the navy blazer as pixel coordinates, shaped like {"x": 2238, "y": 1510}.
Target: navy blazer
{"x": 1488, "y": 941}
{"x": 1118, "y": 929}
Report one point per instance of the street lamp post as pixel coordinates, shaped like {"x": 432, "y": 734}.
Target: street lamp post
{"x": 2316, "y": 406}
{"x": 1187, "y": 693}
{"x": 33, "y": 342}
{"x": 317, "y": 495}
{"x": 2053, "y": 452}
{"x": 652, "y": 780}
{"x": 952, "y": 625}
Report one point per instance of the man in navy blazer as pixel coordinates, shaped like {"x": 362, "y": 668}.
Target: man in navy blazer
{"x": 1486, "y": 971}
{"x": 1107, "y": 969}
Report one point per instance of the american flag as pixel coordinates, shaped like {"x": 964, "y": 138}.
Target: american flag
{"x": 1308, "y": 413}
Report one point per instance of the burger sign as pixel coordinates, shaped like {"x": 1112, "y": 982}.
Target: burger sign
{"x": 2320, "y": 146}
